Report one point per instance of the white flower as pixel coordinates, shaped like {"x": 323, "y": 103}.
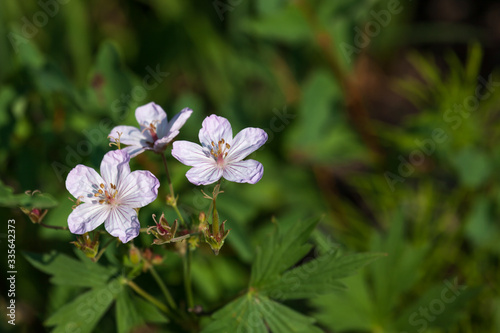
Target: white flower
{"x": 155, "y": 130}
{"x": 110, "y": 198}
{"x": 221, "y": 155}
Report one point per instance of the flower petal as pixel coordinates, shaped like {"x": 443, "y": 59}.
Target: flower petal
{"x": 175, "y": 124}
{"x": 204, "y": 174}
{"x": 149, "y": 113}
{"x": 138, "y": 189}
{"x": 86, "y": 217}
{"x": 82, "y": 182}
{"x": 190, "y": 153}
{"x": 246, "y": 142}
{"x": 129, "y": 135}
{"x": 133, "y": 151}
{"x": 249, "y": 171}
{"x": 215, "y": 128}
{"x": 115, "y": 166}
{"x": 162, "y": 143}
{"x": 123, "y": 223}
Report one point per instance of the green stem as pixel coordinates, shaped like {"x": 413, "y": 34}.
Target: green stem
{"x": 148, "y": 297}
{"x": 173, "y": 201}
{"x": 99, "y": 255}
{"x": 163, "y": 288}
{"x": 187, "y": 277}
{"x": 215, "y": 214}
{"x": 179, "y": 214}
{"x": 52, "y": 226}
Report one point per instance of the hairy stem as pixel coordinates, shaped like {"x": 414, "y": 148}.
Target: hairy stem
{"x": 163, "y": 287}
{"x": 173, "y": 200}
{"x": 52, "y": 226}
{"x": 187, "y": 277}
{"x": 148, "y": 297}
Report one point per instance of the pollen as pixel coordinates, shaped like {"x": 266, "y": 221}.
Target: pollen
{"x": 220, "y": 151}
{"x": 106, "y": 194}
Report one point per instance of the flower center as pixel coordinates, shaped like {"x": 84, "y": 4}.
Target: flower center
{"x": 152, "y": 129}
{"x": 105, "y": 194}
{"x": 219, "y": 151}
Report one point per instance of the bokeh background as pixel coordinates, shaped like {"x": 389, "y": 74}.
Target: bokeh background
{"x": 382, "y": 117}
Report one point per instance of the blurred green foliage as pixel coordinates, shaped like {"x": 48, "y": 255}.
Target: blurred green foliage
{"x": 394, "y": 145}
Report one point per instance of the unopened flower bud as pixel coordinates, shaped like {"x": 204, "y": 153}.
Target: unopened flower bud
{"x": 35, "y": 215}
{"x": 202, "y": 217}
{"x": 171, "y": 201}
{"x": 134, "y": 255}
{"x": 157, "y": 259}
{"x": 87, "y": 245}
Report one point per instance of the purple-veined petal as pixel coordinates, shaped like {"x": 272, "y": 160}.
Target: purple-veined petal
{"x": 162, "y": 143}
{"x": 246, "y": 142}
{"x": 123, "y": 223}
{"x": 83, "y": 182}
{"x": 215, "y": 128}
{"x": 204, "y": 174}
{"x": 175, "y": 124}
{"x": 86, "y": 217}
{"x": 115, "y": 166}
{"x": 191, "y": 154}
{"x": 249, "y": 171}
{"x": 149, "y": 113}
{"x": 133, "y": 151}
{"x": 138, "y": 189}
{"x": 129, "y": 135}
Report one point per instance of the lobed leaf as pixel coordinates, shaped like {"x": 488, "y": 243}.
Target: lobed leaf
{"x": 68, "y": 271}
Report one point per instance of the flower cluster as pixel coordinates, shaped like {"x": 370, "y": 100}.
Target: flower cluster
{"x": 114, "y": 196}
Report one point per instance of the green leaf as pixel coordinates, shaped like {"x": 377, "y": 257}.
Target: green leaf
{"x": 39, "y": 200}
{"x": 254, "y": 313}
{"x": 473, "y": 167}
{"x": 127, "y": 316}
{"x": 282, "y": 251}
{"x": 148, "y": 312}
{"x": 439, "y": 306}
{"x": 481, "y": 227}
{"x": 318, "y": 276}
{"x": 287, "y": 25}
{"x": 321, "y": 133}
{"x": 112, "y": 81}
{"x": 85, "y": 311}
{"x": 68, "y": 271}
{"x": 347, "y": 310}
